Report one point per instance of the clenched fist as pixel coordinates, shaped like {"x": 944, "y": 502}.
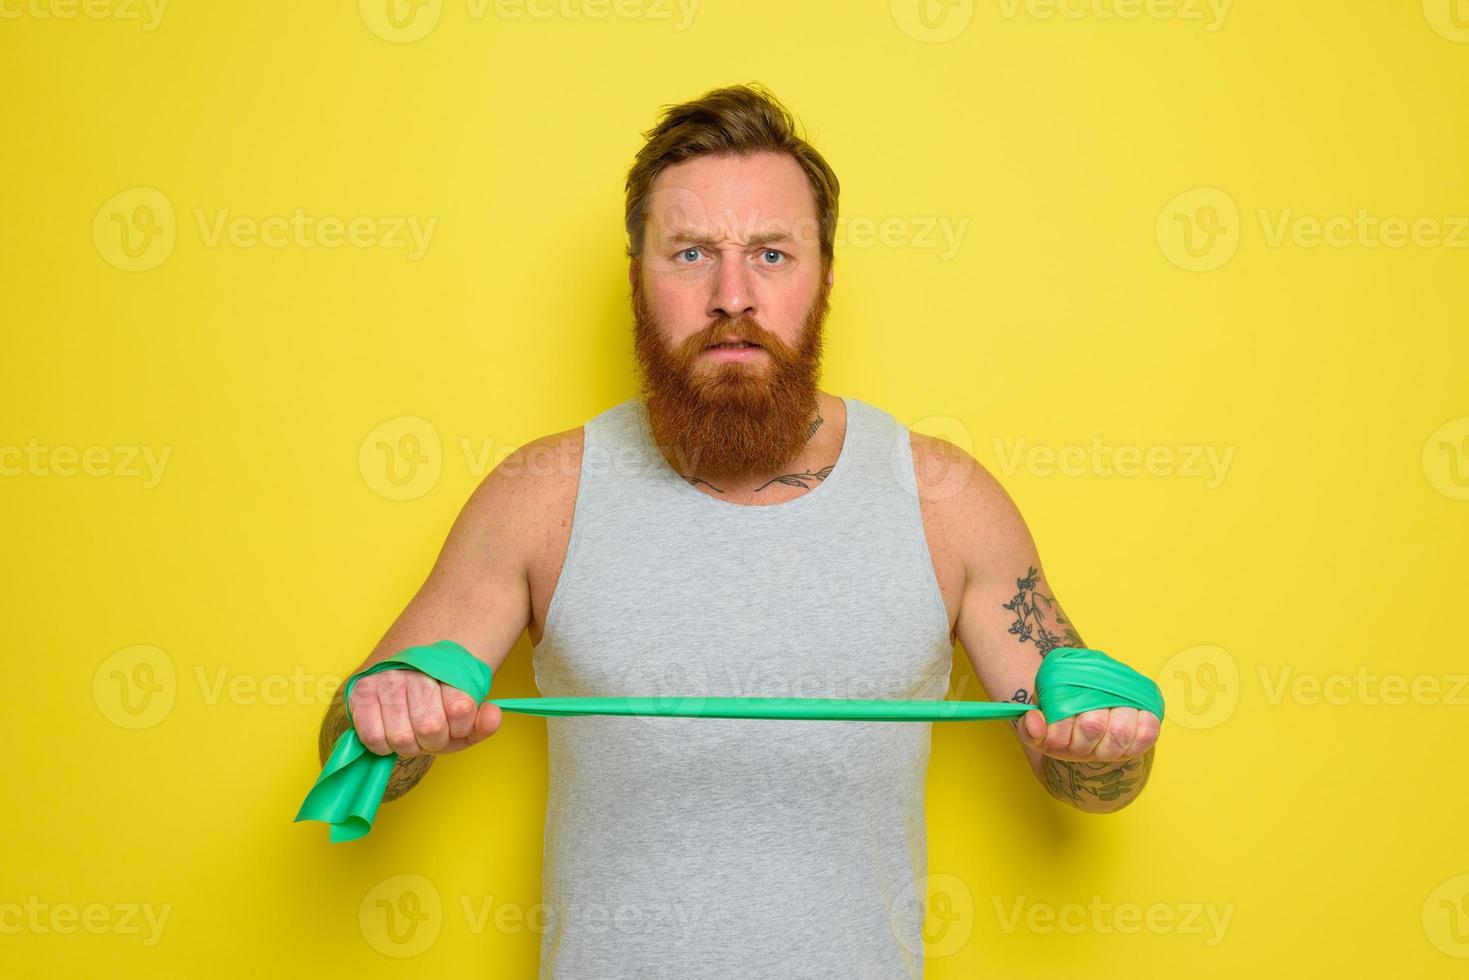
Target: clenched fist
{"x": 410, "y": 713}
{"x": 1101, "y": 735}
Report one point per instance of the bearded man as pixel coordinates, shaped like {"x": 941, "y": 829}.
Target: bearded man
{"x": 736, "y": 531}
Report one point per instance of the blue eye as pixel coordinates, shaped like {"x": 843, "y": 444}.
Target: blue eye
{"x": 688, "y": 250}
{"x": 778, "y": 255}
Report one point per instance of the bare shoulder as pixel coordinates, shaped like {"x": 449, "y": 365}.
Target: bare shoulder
{"x": 536, "y": 484}
{"x": 535, "y": 489}
{"x": 951, "y": 479}
{"x": 964, "y": 505}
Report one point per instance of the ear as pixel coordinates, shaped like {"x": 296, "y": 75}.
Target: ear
{"x": 829, "y": 271}
{"x": 632, "y": 272}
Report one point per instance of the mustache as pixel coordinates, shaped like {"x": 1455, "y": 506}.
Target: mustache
{"x": 744, "y": 328}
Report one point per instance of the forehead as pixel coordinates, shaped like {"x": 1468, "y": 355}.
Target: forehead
{"x": 733, "y": 197}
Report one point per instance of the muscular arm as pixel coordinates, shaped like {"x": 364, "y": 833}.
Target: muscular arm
{"x": 1009, "y": 619}
{"x": 1038, "y": 625}
{"x": 477, "y": 592}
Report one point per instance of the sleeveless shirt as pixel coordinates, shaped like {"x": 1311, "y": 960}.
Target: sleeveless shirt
{"x": 751, "y": 848}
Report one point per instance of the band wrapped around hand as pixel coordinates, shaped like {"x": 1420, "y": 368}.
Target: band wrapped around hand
{"x": 349, "y": 790}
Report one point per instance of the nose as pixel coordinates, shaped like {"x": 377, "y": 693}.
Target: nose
{"x": 732, "y": 296}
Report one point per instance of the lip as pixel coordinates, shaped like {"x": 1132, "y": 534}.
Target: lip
{"x": 733, "y": 353}
{"x": 731, "y": 338}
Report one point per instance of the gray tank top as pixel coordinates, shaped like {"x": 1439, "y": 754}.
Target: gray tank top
{"x": 716, "y": 848}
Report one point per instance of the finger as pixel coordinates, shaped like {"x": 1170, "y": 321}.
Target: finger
{"x": 486, "y": 722}
{"x": 1148, "y": 727}
{"x": 459, "y": 710}
{"x": 1058, "y": 735}
{"x": 367, "y": 717}
{"x": 1087, "y": 732}
{"x": 397, "y": 727}
{"x": 1032, "y": 728}
{"x": 426, "y": 712}
{"x": 1121, "y": 731}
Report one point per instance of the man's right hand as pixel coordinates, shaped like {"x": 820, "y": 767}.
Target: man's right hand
{"x": 410, "y": 713}
{"x": 478, "y": 592}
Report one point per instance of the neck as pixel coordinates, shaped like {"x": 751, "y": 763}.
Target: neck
{"x": 807, "y": 469}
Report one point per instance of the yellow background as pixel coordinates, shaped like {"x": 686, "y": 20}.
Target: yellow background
{"x": 172, "y": 641}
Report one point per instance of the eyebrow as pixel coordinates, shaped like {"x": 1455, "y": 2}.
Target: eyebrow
{"x": 762, "y": 239}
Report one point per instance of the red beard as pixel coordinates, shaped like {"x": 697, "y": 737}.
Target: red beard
{"x": 729, "y": 419}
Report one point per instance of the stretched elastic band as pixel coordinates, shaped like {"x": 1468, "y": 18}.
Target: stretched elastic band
{"x": 349, "y": 790}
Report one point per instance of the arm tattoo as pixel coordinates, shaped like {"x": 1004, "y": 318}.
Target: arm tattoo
{"x": 406, "y": 772}
{"x": 1038, "y": 618}
{"x": 1021, "y": 696}
{"x": 1085, "y": 784}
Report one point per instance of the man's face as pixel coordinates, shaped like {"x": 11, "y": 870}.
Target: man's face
{"x": 731, "y": 253}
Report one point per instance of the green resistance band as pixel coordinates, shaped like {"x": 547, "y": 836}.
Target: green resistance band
{"x": 349, "y": 790}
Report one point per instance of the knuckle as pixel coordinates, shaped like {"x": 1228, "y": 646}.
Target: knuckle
{"x": 392, "y": 689}
{"x": 403, "y": 743}
{"x": 459, "y": 707}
